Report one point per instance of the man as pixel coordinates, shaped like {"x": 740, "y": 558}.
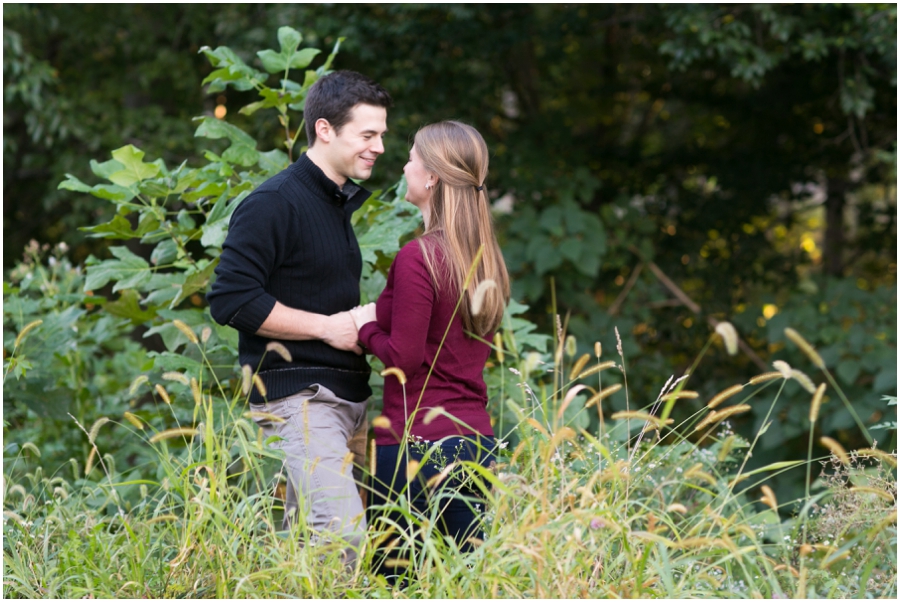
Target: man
{"x": 289, "y": 272}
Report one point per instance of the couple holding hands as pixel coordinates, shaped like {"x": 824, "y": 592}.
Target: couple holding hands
{"x": 289, "y": 272}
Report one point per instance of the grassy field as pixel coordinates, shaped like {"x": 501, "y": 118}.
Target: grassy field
{"x": 619, "y": 512}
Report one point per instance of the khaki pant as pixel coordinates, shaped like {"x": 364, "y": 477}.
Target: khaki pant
{"x": 324, "y": 441}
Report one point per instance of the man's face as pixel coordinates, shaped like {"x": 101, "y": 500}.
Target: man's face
{"x": 352, "y": 152}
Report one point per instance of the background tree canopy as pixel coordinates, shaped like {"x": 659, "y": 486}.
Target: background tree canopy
{"x": 655, "y": 167}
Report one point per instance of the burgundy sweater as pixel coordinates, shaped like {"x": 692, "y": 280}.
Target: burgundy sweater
{"x": 411, "y": 321}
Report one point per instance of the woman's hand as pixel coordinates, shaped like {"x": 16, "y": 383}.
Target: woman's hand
{"x": 363, "y": 315}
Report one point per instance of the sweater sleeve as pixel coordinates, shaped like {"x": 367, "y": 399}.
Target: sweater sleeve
{"x": 410, "y": 313}
{"x": 256, "y": 244}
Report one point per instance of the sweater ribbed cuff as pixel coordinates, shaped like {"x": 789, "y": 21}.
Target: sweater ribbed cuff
{"x": 252, "y": 315}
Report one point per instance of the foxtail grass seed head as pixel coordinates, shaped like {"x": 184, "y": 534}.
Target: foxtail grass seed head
{"x": 172, "y": 433}
{"x": 729, "y": 337}
{"x": 205, "y": 334}
{"x": 498, "y": 343}
{"x": 187, "y": 331}
{"x": 133, "y": 420}
{"x": 432, "y": 414}
{"x": 886, "y": 496}
{"x": 769, "y": 498}
{"x": 89, "y": 465}
{"x": 731, "y": 411}
{"x": 381, "y": 422}
{"x": 195, "y": 391}
{"x": 727, "y": 445}
{"x": 260, "y": 385}
{"x": 24, "y": 332}
{"x": 95, "y": 429}
{"x": 280, "y": 349}
{"x": 804, "y": 381}
{"x": 531, "y": 361}
{"x": 836, "y": 448}
{"x": 177, "y": 376}
{"x": 598, "y": 349}
{"x": 783, "y": 368}
{"x": 679, "y": 508}
{"x": 881, "y": 455}
{"x": 481, "y": 292}
{"x": 246, "y": 379}
{"x": 598, "y": 368}
{"x": 816, "y": 402}
{"x": 579, "y": 366}
{"x": 805, "y": 347}
{"x": 264, "y": 416}
{"x": 137, "y": 382}
{"x": 722, "y": 396}
{"x": 571, "y": 346}
{"x": 618, "y": 342}
{"x": 401, "y": 376}
{"x": 164, "y": 394}
{"x": 412, "y": 469}
{"x": 656, "y": 421}
{"x": 765, "y": 377}
{"x": 680, "y": 395}
{"x": 603, "y": 394}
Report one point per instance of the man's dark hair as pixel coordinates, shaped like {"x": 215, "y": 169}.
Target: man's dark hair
{"x": 333, "y": 97}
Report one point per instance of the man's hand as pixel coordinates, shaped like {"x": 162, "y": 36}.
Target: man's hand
{"x": 341, "y": 333}
{"x": 338, "y": 330}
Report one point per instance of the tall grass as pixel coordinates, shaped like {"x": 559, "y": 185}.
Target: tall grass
{"x": 642, "y": 506}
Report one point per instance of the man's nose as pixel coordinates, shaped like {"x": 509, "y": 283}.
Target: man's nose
{"x": 378, "y": 146}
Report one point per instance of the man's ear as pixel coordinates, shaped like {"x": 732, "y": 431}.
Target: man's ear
{"x": 324, "y": 131}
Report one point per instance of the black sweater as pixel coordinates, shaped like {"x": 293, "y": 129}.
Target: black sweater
{"x": 291, "y": 241}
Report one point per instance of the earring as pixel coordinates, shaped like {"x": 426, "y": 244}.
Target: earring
{"x": 427, "y": 186}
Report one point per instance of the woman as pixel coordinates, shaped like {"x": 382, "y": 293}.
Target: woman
{"x": 421, "y": 326}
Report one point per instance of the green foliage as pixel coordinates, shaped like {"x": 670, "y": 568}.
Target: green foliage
{"x": 167, "y": 232}
{"x": 571, "y": 512}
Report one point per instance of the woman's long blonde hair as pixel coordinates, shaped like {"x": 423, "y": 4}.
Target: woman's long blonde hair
{"x": 460, "y": 223}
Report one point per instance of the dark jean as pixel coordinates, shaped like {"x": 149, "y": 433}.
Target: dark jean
{"x": 458, "y": 503}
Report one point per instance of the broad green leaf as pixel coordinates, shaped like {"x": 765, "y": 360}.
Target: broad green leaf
{"x": 273, "y": 62}
{"x": 119, "y": 228}
{"x": 127, "y": 270}
{"x": 208, "y": 189}
{"x": 253, "y": 107}
{"x": 289, "y": 39}
{"x": 113, "y": 192}
{"x": 128, "y": 306}
{"x": 224, "y": 207}
{"x": 302, "y": 59}
{"x": 134, "y": 169}
{"x": 213, "y": 128}
{"x": 241, "y": 154}
{"x": 164, "y": 253}
{"x": 214, "y": 233}
{"x": 106, "y": 169}
{"x": 73, "y": 183}
{"x": 175, "y": 362}
{"x": 273, "y": 161}
{"x": 196, "y": 281}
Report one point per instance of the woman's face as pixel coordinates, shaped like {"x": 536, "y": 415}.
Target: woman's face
{"x": 417, "y": 177}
